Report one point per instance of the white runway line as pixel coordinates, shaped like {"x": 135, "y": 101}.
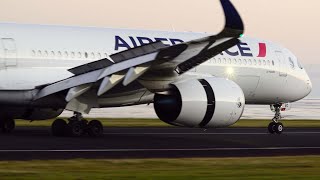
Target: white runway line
{"x": 183, "y": 133}
{"x": 204, "y": 133}
{"x": 160, "y": 150}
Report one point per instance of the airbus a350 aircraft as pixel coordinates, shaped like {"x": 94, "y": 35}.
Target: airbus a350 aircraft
{"x": 195, "y": 80}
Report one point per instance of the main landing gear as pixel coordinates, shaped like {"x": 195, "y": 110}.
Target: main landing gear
{"x": 76, "y": 127}
{"x": 275, "y": 126}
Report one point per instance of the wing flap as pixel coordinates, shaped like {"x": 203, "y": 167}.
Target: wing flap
{"x": 94, "y": 76}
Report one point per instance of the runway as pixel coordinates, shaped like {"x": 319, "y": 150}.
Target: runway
{"x": 37, "y": 143}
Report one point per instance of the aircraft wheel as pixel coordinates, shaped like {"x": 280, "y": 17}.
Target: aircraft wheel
{"x": 95, "y": 128}
{"x": 271, "y": 127}
{"x": 59, "y": 127}
{"x": 279, "y": 128}
{"x": 7, "y": 125}
{"x": 75, "y": 128}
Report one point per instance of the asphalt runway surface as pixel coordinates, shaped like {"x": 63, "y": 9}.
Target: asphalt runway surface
{"x": 28, "y": 143}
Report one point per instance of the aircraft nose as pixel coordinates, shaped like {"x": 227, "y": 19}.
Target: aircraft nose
{"x": 309, "y": 84}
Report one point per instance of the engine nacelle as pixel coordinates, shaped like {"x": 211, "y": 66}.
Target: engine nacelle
{"x": 206, "y": 103}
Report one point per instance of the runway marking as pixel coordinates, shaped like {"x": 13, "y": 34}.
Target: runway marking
{"x": 160, "y": 150}
{"x": 204, "y": 133}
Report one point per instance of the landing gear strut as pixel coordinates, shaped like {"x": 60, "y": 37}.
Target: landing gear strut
{"x": 275, "y": 126}
{"x": 76, "y": 127}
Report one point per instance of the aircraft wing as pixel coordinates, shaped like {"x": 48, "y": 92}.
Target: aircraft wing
{"x": 128, "y": 66}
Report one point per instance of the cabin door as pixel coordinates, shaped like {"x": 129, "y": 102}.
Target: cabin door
{"x": 282, "y": 64}
{"x": 9, "y": 52}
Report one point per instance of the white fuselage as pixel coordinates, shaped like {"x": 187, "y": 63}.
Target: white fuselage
{"x": 34, "y": 55}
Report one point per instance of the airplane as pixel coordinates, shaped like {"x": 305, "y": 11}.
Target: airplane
{"x": 194, "y": 80}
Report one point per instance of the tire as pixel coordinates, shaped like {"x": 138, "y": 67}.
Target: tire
{"x": 58, "y": 128}
{"x": 279, "y": 128}
{"x": 10, "y": 125}
{"x": 84, "y": 125}
{"x": 75, "y": 128}
{"x": 7, "y": 125}
{"x": 271, "y": 127}
{"x": 95, "y": 128}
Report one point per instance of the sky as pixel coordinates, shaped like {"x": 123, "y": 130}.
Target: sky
{"x": 294, "y": 24}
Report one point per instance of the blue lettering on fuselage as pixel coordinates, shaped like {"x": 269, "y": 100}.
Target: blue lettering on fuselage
{"x": 132, "y": 42}
{"x": 243, "y": 50}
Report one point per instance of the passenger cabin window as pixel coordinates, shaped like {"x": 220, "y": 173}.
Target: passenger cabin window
{"x": 245, "y": 62}
{"x": 73, "y": 54}
{"x": 46, "y": 54}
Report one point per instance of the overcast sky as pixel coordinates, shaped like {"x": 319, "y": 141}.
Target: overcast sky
{"x": 292, "y": 23}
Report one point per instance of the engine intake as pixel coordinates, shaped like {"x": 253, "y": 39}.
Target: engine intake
{"x": 205, "y": 103}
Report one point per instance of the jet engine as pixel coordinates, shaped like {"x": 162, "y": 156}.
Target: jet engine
{"x": 205, "y": 103}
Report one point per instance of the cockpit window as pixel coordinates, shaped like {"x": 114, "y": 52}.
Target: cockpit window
{"x": 300, "y": 66}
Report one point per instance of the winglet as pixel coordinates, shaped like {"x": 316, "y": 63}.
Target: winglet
{"x": 234, "y": 25}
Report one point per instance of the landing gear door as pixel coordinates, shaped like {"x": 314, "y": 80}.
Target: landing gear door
{"x": 10, "y": 52}
{"x": 282, "y": 64}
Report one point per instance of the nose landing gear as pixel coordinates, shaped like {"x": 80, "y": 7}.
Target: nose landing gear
{"x": 275, "y": 126}
{"x": 77, "y": 127}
